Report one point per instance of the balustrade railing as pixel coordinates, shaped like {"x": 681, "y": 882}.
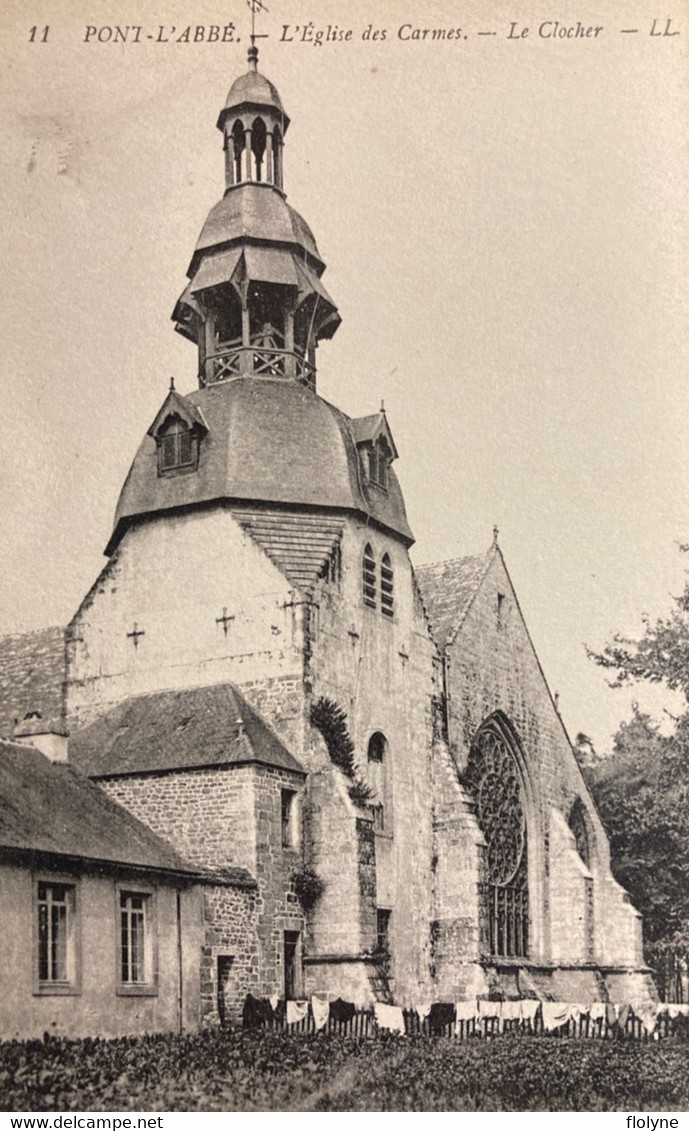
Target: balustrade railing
{"x": 257, "y": 361}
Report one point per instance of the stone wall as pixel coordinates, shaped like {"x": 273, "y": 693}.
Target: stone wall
{"x": 493, "y": 668}
{"x": 174, "y": 578}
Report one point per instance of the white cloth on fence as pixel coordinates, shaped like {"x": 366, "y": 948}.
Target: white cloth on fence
{"x": 296, "y": 1011}
{"x": 389, "y": 1017}
{"x": 274, "y": 1000}
{"x": 647, "y": 1013}
{"x": 558, "y": 1013}
{"x": 423, "y": 1010}
{"x": 466, "y": 1010}
{"x": 675, "y": 1009}
{"x": 512, "y": 1010}
{"x": 530, "y": 1007}
{"x": 489, "y": 1009}
{"x": 597, "y": 1010}
{"x": 321, "y": 1012}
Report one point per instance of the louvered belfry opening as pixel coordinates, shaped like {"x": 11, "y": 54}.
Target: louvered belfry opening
{"x": 494, "y": 781}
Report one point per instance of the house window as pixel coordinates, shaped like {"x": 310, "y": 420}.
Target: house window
{"x": 177, "y": 446}
{"x": 386, "y": 586}
{"x": 137, "y": 956}
{"x": 56, "y": 929}
{"x": 369, "y": 577}
{"x": 288, "y": 807}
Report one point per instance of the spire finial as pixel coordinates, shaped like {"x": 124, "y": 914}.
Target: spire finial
{"x": 255, "y": 6}
{"x": 495, "y": 535}
{"x": 382, "y": 406}
{"x": 172, "y": 384}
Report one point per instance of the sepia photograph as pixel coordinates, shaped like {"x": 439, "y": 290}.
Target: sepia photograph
{"x": 344, "y": 613}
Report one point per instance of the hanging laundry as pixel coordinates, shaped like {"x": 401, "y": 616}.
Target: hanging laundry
{"x": 423, "y": 1010}
{"x": 488, "y": 1009}
{"x": 466, "y": 1010}
{"x": 512, "y": 1010}
{"x": 321, "y": 1012}
{"x": 557, "y": 1013}
{"x": 274, "y": 999}
{"x": 296, "y": 1011}
{"x": 611, "y": 1011}
{"x": 647, "y": 1014}
{"x": 442, "y": 1014}
{"x": 341, "y": 1010}
{"x": 389, "y": 1017}
{"x": 256, "y": 1012}
{"x": 675, "y": 1009}
{"x": 530, "y": 1008}
{"x": 597, "y": 1010}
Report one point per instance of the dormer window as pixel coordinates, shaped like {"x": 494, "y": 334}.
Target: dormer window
{"x": 379, "y": 456}
{"x": 177, "y": 446}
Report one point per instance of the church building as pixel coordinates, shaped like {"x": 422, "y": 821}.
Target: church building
{"x": 333, "y": 774}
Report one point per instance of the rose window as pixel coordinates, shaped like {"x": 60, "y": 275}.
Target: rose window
{"x": 492, "y": 777}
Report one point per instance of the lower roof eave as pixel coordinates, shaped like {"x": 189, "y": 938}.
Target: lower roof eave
{"x": 226, "y": 501}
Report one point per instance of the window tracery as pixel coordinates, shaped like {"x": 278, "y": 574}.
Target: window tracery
{"x": 369, "y": 576}
{"x": 493, "y": 778}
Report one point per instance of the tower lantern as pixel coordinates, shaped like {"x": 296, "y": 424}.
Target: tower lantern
{"x": 255, "y": 304}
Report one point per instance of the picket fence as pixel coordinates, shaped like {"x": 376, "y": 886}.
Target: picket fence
{"x": 363, "y": 1024}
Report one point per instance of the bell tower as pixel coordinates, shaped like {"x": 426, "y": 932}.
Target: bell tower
{"x": 255, "y": 305}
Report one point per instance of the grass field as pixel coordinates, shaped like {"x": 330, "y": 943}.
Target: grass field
{"x": 235, "y": 1071}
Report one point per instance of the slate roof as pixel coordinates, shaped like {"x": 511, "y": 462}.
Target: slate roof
{"x": 48, "y": 807}
{"x": 178, "y": 730}
{"x": 299, "y": 545}
{"x": 32, "y": 673}
{"x": 269, "y": 440}
{"x": 447, "y": 590}
{"x": 256, "y": 212}
{"x": 256, "y": 90}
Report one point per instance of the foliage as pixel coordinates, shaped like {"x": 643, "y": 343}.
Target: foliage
{"x": 331, "y": 721}
{"x": 274, "y": 1071}
{"x": 642, "y": 789}
{"x": 308, "y": 886}
{"x": 660, "y": 655}
{"x": 642, "y": 792}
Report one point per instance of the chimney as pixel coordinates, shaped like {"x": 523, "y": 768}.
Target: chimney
{"x": 47, "y": 736}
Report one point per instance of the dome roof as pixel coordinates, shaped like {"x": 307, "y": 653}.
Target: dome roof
{"x": 255, "y": 88}
{"x": 269, "y": 441}
{"x": 255, "y": 211}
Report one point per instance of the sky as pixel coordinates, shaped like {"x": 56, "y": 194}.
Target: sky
{"x": 504, "y": 220}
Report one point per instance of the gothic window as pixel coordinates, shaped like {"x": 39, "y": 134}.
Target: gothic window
{"x": 177, "y": 446}
{"x": 577, "y": 824}
{"x": 386, "y": 586}
{"x": 369, "y": 576}
{"x": 492, "y": 777}
{"x": 238, "y": 142}
{"x": 376, "y": 747}
{"x": 379, "y": 779}
{"x": 383, "y": 930}
{"x": 258, "y": 146}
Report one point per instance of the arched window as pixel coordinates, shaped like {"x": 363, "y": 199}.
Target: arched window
{"x": 177, "y": 445}
{"x": 493, "y": 779}
{"x": 258, "y": 146}
{"x": 238, "y": 141}
{"x": 376, "y": 747}
{"x": 379, "y": 778}
{"x": 386, "y": 586}
{"x": 579, "y": 827}
{"x": 369, "y": 576}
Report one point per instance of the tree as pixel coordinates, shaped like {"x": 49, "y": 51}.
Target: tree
{"x": 642, "y": 788}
